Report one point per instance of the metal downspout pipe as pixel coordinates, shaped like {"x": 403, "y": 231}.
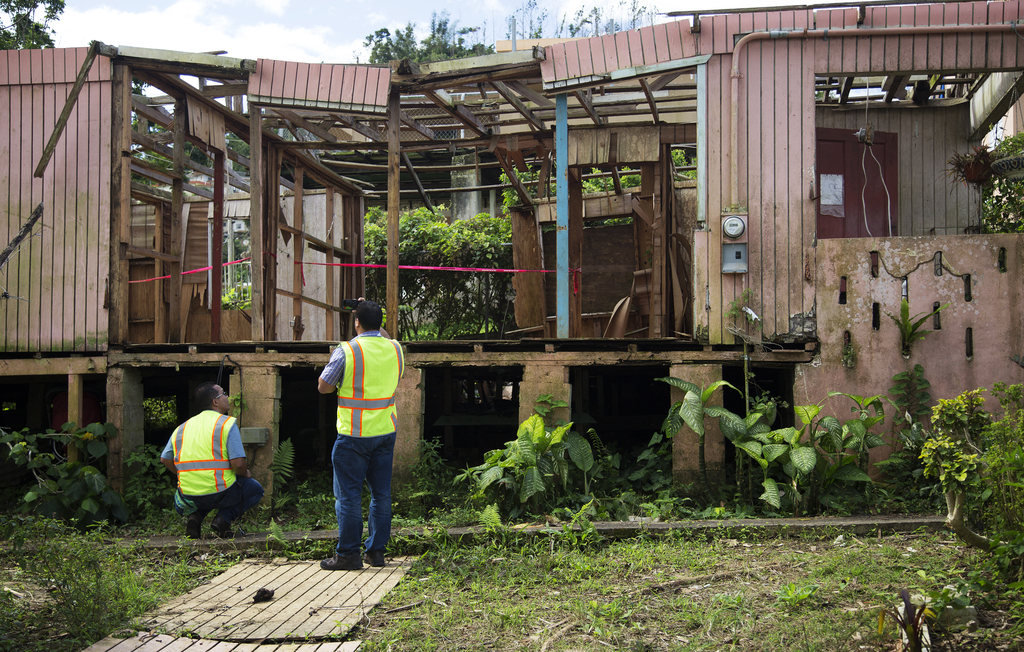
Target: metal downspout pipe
{"x": 734, "y": 120}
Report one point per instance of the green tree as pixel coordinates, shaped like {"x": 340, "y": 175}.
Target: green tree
{"x": 444, "y": 304}
{"x": 446, "y": 40}
{"x": 22, "y": 26}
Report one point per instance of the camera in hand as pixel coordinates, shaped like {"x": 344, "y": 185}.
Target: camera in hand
{"x": 349, "y": 304}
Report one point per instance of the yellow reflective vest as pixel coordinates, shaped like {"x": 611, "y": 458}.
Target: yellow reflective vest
{"x": 201, "y": 454}
{"x": 366, "y": 394}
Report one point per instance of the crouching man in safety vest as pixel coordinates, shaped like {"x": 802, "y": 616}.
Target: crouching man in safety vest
{"x": 206, "y": 454}
{"x": 365, "y": 372}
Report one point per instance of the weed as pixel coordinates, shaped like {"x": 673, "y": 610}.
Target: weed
{"x": 792, "y": 595}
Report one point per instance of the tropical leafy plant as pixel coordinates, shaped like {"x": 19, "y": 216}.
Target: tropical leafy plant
{"x": 693, "y": 410}
{"x": 150, "y": 486}
{"x": 911, "y": 327}
{"x": 74, "y": 491}
{"x": 526, "y": 468}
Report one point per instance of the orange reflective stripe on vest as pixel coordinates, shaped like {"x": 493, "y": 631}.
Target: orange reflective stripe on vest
{"x": 201, "y": 454}
{"x": 366, "y": 393}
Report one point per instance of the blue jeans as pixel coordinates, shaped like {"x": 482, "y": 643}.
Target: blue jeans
{"x": 355, "y": 460}
{"x": 231, "y": 503}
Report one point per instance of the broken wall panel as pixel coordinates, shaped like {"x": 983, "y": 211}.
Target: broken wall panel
{"x": 58, "y": 275}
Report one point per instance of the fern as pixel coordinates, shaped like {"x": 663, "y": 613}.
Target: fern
{"x": 283, "y": 465}
{"x": 490, "y": 518}
{"x": 277, "y": 532}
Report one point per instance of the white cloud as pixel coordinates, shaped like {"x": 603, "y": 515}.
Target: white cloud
{"x": 191, "y": 26}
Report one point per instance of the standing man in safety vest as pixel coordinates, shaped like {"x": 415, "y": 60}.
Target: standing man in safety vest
{"x": 365, "y": 372}
{"x": 207, "y": 455}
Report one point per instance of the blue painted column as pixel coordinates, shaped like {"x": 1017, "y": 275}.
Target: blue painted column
{"x": 562, "y": 215}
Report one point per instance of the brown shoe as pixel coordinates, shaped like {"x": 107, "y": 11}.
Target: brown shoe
{"x": 374, "y": 558}
{"x": 222, "y": 528}
{"x": 193, "y": 526}
{"x": 337, "y": 562}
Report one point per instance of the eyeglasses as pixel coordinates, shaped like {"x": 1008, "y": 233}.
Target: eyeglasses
{"x": 218, "y": 396}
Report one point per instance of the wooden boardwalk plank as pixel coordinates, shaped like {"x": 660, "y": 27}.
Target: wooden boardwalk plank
{"x": 288, "y": 589}
{"x": 203, "y": 603}
{"x": 148, "y": 642}
{"x": 308, "y": 602}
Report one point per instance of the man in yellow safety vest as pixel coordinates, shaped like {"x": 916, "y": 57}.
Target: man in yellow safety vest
{"x": 207, "y": 455}
{"x": 365, "y": 373}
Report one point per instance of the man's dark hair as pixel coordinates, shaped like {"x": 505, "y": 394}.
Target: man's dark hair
{"x": 205, "y": 394}
{"x": 369, "y": 315}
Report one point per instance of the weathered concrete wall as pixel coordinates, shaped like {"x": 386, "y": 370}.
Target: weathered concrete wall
{"x": 260, "y": 387}
{"x": 545, "y": 380}
{"x": 994, "y": 314}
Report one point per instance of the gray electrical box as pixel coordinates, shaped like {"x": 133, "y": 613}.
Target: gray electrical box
{"x": 734, "y": 258}
{"x": 258, "y": 436}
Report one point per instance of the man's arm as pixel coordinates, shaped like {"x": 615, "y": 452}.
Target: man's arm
{"x": 170, "y": 465}
{"x": 324, "y": 387}
{"x": 240, "y": 467}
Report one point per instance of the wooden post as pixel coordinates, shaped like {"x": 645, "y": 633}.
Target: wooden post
{"x": 331, "y": 299}
{"x": 298, "y": 243}
{"x": 394, "y": 205}
{"x": 574, "y": 291}
{"x": 271, "y": 218}
{"x": 257, "y": 236}
{"x": 159, "y": 307}
{"x": 120, "y": 201}
{"x": 76, "y": 406}
{"x": 656, "y": 243}
{"x": 217, "y": 250}
{"x": 562, "y": 216}
{"x": 174, "y": 333}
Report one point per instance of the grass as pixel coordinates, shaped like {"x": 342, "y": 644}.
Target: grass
{"x": 677, "y": 592}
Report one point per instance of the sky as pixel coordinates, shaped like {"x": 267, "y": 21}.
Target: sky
{"x": 312, "y": 31}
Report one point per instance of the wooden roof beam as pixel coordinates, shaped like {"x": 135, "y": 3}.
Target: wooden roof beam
{"x": 512, "y": 99}
{"x": 361, "y": 129}
{"x": 299, "y": 121}
{"x": 416, "y": 180}
{"x": 584, "y": 98}
{"x": 458, "y": 111}
{"x": 416, "y": 126}
{"x": 895, "y": 87}
{"x": 510, "y": 172}
{"x": 650, "y": 99}
{"x": 845, "y": 86}
{"x": 664, "y": 80}
{"x": 529, "y": 93}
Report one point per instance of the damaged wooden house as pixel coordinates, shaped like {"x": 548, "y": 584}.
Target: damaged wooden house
{"x": 212, "y": 223}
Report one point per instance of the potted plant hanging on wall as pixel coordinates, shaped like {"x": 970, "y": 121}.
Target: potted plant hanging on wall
{"x": 974, "y": 167}
{"x": 1009, "y": 158}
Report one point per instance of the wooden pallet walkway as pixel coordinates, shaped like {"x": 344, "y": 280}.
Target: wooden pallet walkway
{"x": 143, "y": 642}
{"x": 308, "y": 604}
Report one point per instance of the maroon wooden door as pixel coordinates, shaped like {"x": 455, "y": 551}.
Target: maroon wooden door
{"x": 849, "y": 181}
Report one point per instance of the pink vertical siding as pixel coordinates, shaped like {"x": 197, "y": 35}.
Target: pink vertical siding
{"x": 62, "y": 272}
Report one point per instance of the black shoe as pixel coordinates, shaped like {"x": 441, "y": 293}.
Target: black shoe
{"x": 374, "y": 558}
{"x": 222, "y": 528}
{"x": 193, "y": 527}
{"x": 337, "y": 562}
